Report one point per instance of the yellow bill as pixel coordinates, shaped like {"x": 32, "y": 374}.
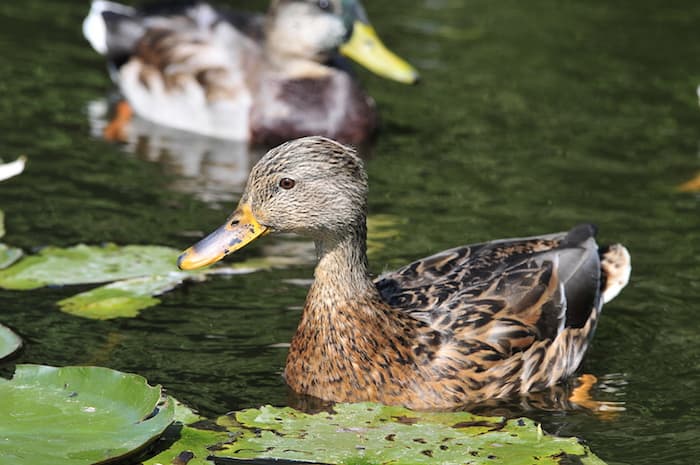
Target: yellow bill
{"x": 367, "y": 49}
{"x": 240, "y": 229}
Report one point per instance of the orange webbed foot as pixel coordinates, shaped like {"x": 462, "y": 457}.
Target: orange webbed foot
{"x": 115, "y": 131}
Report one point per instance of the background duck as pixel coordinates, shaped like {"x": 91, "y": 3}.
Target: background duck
{"x": 259, "y": 78}
{"x": 471, "y": 323}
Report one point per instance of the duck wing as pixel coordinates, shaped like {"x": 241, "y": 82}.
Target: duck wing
{"x": 509, "y": 293}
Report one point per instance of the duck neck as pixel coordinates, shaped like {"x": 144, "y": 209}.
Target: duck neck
{"x": 296, "y": 67}
{"x": 342, "y": 271}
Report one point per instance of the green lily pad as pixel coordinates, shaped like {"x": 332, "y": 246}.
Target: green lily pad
{"x": 77, "y": 415}
{"x": 190, "y": 444}
{"x": 137, "y": 274}
{"x": 123, "y": 298}
{"x": 83, "y": 264}
{"x": 369, "y": 433}
{"x": 9, "y": 342}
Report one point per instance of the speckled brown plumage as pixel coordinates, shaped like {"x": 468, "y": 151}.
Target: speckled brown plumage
{"x": 471, "y": 323}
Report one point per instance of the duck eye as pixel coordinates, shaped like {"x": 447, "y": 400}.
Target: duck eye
{"x": 287, "y": 183}
{"x": 324, "y": 5}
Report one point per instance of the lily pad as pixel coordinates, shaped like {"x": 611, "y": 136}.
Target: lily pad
{"x": 83, "y": 264}
{"x": 189, "y": 444}
{"x": 369, "y": 433}
{"x": 9, "y": 342}
{"x": 137, "y": 274}
{"x": 77, "y": 415}
{"x": 123, "y": 298}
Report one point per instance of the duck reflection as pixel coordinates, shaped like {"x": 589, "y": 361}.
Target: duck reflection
{"x": 214, "y": 170}
{"x": 602, "y": 397}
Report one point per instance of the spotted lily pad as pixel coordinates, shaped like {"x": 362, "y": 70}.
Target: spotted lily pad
{"x": 368, "y": 433}
{"x": 186, "y": 443}
{"x": 190, "y": 445}
{"x": 9, "y": 342}
{"x": 77, "y": 415}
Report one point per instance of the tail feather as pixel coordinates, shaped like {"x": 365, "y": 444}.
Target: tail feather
{"x": 95, "y": 27}
{"x": 616, "y": 263}
{"x": 579, "y": 273}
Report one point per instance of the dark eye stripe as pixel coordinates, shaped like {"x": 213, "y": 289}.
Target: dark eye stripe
{"x": 287, "y": 183}
{"x": 324, "y": 5}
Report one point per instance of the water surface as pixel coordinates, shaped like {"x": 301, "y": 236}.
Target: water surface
{"x": 531, "y": 117}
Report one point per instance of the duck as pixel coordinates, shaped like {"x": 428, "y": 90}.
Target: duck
{"x": 476, "y": 322}
{"x": 259, "y": 78}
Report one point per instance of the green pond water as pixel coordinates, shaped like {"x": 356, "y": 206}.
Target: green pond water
{"x": 531, "y": 117}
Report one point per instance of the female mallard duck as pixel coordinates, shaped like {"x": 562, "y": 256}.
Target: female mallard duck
{"x": 470, "y": 323}
{"x": 263, "y": 79}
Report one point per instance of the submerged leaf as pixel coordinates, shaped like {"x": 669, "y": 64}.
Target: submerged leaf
{"x": 9, "y": 342}
{"x": 375, "y": 434}
{"x": 122, "y": 298}
{"x": 77, "y": 415}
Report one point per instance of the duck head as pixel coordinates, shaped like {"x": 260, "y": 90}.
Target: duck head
{"x": 312, "y": 186}
{"x": 315, "y": 29}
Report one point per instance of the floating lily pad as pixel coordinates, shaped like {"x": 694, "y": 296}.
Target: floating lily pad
{"x": 77, "y": 415}
{"x": 141, "y": 273}
{"x": 83, "y": 264}
{"x": 9, "y": 342}
{"x": 189, "y": 444}
{"x": 375, "y": 434}
{"x": 122, "y": 298}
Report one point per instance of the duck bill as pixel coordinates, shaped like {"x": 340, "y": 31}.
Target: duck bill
{"x": 365, "y": 47}
{"x": 240, "y": 229}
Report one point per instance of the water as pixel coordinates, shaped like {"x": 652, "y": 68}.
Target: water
{"x": 531, "y": 117}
